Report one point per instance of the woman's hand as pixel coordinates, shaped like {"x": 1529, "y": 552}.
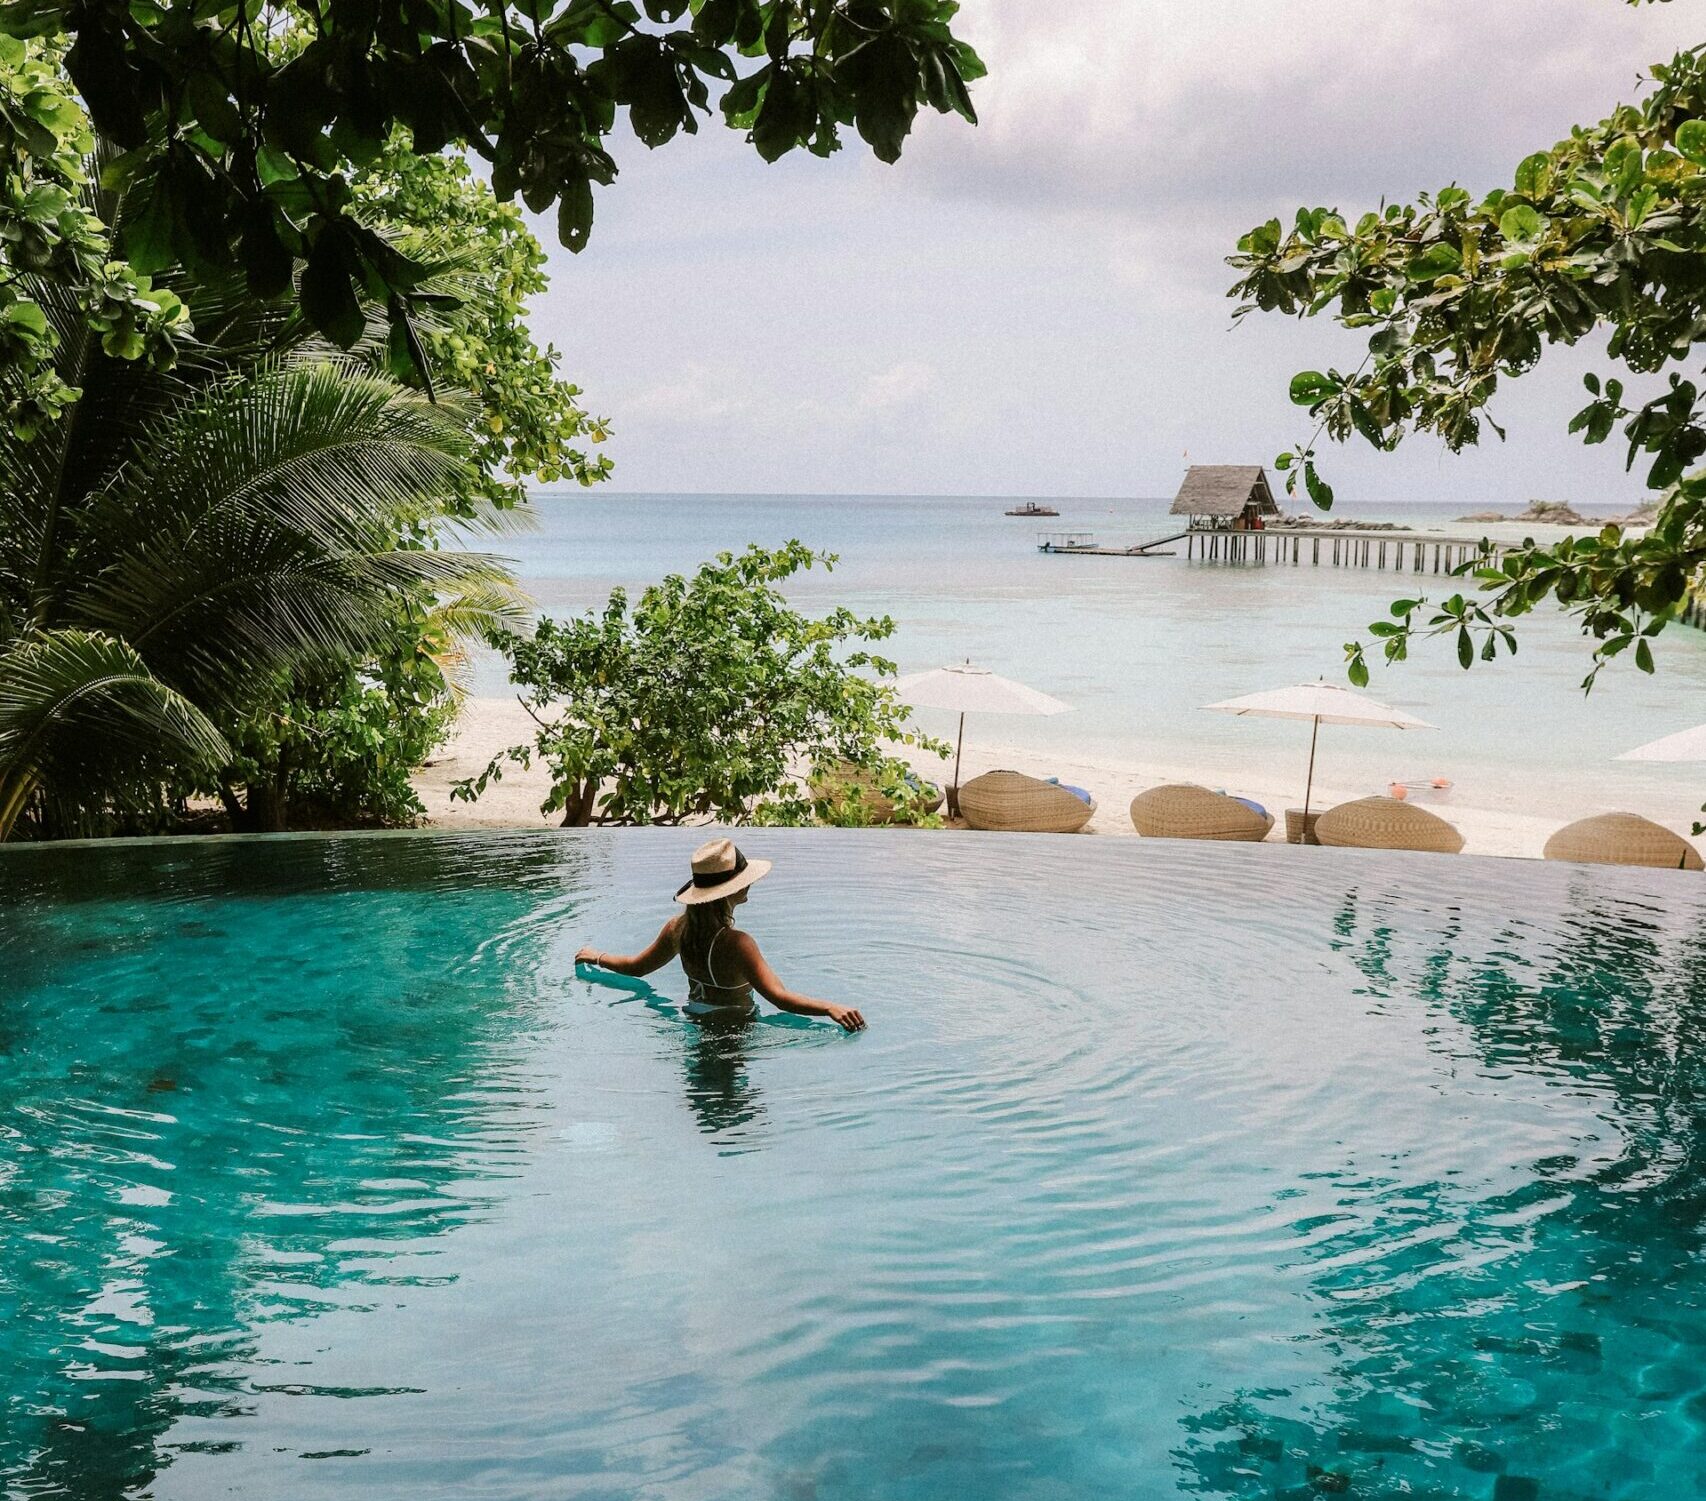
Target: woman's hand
{"x": 589, "y": 955}
{"x": 845, "y": 1017}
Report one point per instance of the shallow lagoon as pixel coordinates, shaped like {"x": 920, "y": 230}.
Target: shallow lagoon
{"x": 1163, "y": 1169}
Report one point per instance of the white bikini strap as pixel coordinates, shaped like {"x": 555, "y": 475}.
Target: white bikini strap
{"x": 710, "y": 964}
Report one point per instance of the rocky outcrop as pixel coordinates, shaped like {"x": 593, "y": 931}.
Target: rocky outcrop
{"x": 1540, "y": 513}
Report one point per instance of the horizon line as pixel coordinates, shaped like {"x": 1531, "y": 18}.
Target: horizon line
{"x": 570, "y": 488}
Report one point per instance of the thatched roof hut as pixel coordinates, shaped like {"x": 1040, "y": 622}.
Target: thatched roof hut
{"x": 1225, "y": 494}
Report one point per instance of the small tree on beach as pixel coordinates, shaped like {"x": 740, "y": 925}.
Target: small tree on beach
{"x": 1604, "y": 232}
{"x": 709, "y": 697}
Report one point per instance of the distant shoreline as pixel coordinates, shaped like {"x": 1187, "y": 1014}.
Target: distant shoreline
{"x": 1350, "y": 510}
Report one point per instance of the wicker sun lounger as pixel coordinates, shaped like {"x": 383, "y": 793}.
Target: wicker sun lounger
{"x": 838, "y": 787}
{"x": 1010, "y": 801}
{"x": 1187, "y": 812}
{"x": 1622, "y": 839}
{"x": 1384, "y": 823}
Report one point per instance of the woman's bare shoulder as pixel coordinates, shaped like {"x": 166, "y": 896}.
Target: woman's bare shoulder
{"x": 742, "y": 945}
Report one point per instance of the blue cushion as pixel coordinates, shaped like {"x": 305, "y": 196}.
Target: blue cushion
{"x": 1077, "y": 792}
{"x": 1253, "y": 806}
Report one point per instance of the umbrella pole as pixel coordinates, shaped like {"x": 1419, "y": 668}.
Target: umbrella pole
{"x": 954, "y": 790}
{"x": 1309, "y": 785}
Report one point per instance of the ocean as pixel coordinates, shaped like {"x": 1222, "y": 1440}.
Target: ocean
{"x": 1138, "y": 645}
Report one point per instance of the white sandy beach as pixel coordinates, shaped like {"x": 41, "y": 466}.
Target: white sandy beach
{"x": 488, "y": 725}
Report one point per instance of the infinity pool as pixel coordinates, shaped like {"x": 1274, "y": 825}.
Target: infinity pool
{"x": 1162, "y": 1170}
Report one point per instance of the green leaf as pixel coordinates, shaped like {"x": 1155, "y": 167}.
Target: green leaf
{"x": 1534, "y": 175}
{"x": 1319, "y": 490}
{"x": 266, "y": 261}
{"x": 329, "y": 299}
{"x": 574, "y": 214}
{"x": 1434, "y": 262}
{"x": 1691, "y": 141}
{"x": 1309, "y": 387}
{"x": 1521, "y": 224}
{"x": 149, "y": 232}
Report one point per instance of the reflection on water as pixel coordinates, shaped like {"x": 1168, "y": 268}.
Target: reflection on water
{"x": 714, "y": 1058}
{"x": 1547, "y": 1337}
{"x": 223, "y": 1110}
{"x": 1220, "y": 1172}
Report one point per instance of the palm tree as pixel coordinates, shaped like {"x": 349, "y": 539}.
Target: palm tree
{"x": 179, "y": 537}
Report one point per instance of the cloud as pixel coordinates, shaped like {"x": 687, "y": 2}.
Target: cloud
{"x": 695, "y": 395}
{"x": 900, "y": 385}
{"x": 1144, "y": 108}
{"x": 1037, "y": 305}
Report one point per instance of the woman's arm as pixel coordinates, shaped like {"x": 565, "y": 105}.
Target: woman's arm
{"x": 763, "y": 979}
{"x": 663, "y": 949}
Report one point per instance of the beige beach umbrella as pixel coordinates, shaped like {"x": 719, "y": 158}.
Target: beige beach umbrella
{"x": 1684, "y": 745}
{"x": 1322, "y": 703}
{"x": 964, "y": 689}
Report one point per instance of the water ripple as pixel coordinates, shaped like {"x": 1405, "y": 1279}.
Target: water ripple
{"x": 1207, "y": 1171}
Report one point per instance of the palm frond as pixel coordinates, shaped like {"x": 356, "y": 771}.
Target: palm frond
{"x": 82, "y": 708}
{"x": 261, "y": 600}
{"x": 315, "y": 447}
{"x": 266, "y": 501}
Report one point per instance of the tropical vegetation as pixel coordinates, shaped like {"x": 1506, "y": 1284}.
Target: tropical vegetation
{"x": 178, "y": 545}
{"x": 239, "y": 124}
{"x": 711, "y": 696}
{"x": 223, "y": 491}
{"x": 1604, "y": 234}
{"x": 219, "y": 574}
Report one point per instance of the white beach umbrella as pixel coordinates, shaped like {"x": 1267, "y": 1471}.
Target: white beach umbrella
{"x": 1685, "y": 745}
{"x": 964, "y": 689}
{"x": 1322, "y": 703}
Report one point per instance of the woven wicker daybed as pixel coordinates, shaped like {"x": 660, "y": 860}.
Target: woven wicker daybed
{"x": 1015, "y": 803}
{"x": 1384, "y": 823}
{"x": 837, "y": 787}
{"x": 1189, "y": 812}
{"x": 1622, "y": 839}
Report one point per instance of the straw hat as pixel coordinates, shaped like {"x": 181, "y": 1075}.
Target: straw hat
{"x": 720, "y": 870}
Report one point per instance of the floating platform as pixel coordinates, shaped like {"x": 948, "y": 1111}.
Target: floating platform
{"x": 1085, "y": 545}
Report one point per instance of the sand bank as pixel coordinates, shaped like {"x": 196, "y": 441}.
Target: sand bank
{"x": 489, "y": 725}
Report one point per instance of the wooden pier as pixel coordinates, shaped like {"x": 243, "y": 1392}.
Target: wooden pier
{"x": 1399, "y": 552}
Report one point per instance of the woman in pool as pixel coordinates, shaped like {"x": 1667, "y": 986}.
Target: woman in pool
{"x": 723, "y": 964}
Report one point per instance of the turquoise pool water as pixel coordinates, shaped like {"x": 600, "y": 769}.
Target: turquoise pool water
{"x": 1162, "y": 1170}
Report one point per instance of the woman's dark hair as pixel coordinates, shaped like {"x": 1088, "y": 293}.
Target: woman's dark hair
{"x": 699, "y": 930}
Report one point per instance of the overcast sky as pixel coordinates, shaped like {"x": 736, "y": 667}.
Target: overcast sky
{"x": 1037, "y": 305}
